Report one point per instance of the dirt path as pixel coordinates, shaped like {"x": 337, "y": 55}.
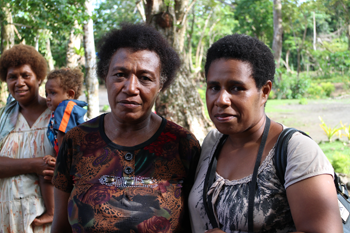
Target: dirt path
{"x": 306, "y": 117}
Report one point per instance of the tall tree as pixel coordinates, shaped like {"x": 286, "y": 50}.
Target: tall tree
{"x": 277, "y": 31}
{"x": 181, "y": 102}
{"x": 90, "y": 67}
{"x": 74, "y": 49}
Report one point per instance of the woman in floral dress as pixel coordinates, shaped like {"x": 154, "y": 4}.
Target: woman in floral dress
{"x": 23, "y": 141}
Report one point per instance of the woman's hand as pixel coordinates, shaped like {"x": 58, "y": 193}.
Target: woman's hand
{"x": 215, "y": 230}
{"x": 41, "y": 167}
{"x": 51, "y": 161}
{"x": 13, "y": 167}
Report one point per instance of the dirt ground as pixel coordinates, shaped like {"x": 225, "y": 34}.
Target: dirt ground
{"x": 306, "y": 117}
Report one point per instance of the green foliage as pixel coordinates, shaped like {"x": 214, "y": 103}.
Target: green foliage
{"x": 346, "y": 130}
{"x": 328, "y": 88}
{"x": 105, "y": 108}
{"x": 201, "y": 90}
{"x": 80, "y": 51}
{"x": 255, "y": 18}
{"x": 341, "y": 162}
{"x": 303, "y": 101}
{"x": 315, "y": 91}
{"x": 327, "y": 62}
{"x": 291, "y": 86}
{"x": 320, "y": 91}
{"x": 338, "y": 153}
{"x": 330, "y": 132}
{"x": 111, "y": 13}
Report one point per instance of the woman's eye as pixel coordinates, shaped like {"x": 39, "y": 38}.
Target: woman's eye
{"x": 145, "y": 78}
{"x": 214, "y": 88}
{"x": 119, "y": 75}
{"x": 235, "y": 88}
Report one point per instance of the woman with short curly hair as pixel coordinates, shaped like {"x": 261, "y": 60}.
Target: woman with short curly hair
{"x": 129, "y": 170}
{"x": 23, "y": 142}
{"x": 237, "y": 187}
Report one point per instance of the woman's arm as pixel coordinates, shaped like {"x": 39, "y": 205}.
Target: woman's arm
{"x": 60, "y": 220}
{"x": 13, "y": 167}
{"x": 314, "y": 205}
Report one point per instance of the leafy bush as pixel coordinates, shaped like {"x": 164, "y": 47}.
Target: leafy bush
{"x": 328, "y": 88}
{"x": 299, "y": 87}
{"x": 315, "y": 91}
{"x": 320, "y": 91}
{"x": 282, "y": 89}
{"x": 291, "y": 86}
{"x": 340, "y": 162}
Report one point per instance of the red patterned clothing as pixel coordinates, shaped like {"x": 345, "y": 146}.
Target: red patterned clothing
{"x": 114, "y": 188}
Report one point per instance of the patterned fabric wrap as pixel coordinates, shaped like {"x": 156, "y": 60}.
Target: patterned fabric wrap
{"x": 8, "y": 118}
{"x": 20, "y": 196}
{"x": 114, "y": 188}
{"x": 68, "y": 114}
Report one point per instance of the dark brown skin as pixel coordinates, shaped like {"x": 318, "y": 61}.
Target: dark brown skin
{"x": 236, "y": 106}
{"x": 133, "y": 83}
{"x": 24, "y": 87}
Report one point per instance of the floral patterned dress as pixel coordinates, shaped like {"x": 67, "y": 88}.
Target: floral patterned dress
{"x": 20, "y": 197}
{"x": 114, "y": 188}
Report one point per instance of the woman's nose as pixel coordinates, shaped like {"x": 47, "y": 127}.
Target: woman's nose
{"x": 20, "y": 81}
{"x": 131, "y": 85}
{"x": 223, "y": 99}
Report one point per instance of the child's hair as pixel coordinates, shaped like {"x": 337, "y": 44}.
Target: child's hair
{"x": 70, "y": 78}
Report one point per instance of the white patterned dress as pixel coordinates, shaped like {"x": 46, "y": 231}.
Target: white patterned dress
{"x": 20, "y": 197}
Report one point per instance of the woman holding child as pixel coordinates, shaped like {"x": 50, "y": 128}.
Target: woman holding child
{"x": 239, "y": 72}
{"x": 129, "y": 170}
{"x": 23, "y": 143}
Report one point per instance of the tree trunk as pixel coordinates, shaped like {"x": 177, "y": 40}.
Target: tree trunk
{"x": 8, "y": 31}
{"x": 7, "y": 42}
{"x": 314, "y": 40}
{"x": 181, "y": 103}
{"x": 74, "y": 43}
{"x": 48, "y": 54}
{"x": 348, "y": 35}
{"x": 277, "y": 31}
{"x": 90, "y": 67}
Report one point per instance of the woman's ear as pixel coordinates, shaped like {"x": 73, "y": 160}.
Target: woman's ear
{"x": 265, "y": 91}
{"x": 71, "y": 93}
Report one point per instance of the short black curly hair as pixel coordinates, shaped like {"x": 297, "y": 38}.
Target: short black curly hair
{"x": 20, "y": 55}
{"x": 138, "y": 37}
{"x": 247, "y": 49}
{"x": 70, "y": 78}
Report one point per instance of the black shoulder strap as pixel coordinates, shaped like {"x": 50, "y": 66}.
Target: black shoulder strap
{"x": 209, "y": 180}
{"x": 281, "y": 151}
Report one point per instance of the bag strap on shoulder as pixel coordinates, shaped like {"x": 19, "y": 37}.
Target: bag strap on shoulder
{"x": 281, "y": 151}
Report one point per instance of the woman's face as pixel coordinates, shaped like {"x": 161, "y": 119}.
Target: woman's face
{"x": 133, "y": 83}
{"x": 23, "y": 84}
{"x": 234, "y": 102}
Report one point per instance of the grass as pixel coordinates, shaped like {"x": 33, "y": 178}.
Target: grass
{"x": 329, "y": 148}
{"x": 338, "y": 153}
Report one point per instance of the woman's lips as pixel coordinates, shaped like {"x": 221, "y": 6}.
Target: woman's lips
{"x": 22, "y": 92}
{"x": 129, "y": 104}
{"x": 224, "y": 117}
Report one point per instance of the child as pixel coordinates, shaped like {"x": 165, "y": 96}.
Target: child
{"x": 63, "y": 87}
